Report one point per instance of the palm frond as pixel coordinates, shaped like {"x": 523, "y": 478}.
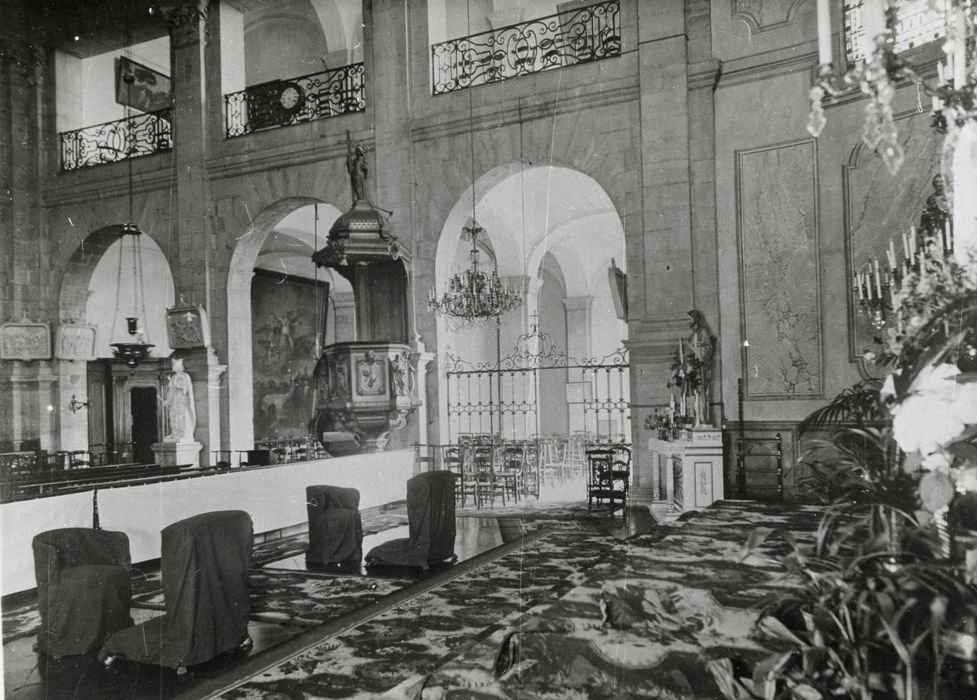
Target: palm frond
{"x": 856, "y": 404}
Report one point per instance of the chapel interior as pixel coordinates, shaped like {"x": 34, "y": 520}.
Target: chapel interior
{"x": 393, "y": 334}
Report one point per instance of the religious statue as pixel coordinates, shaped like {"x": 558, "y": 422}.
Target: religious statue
{"x": 357, "y": 169}
{"x": 703, "y": 345}
{"x": 179, "y": 405}
{"x": 403, "y": 375}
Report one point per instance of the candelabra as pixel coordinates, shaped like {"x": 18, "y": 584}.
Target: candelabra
{"x": 953, "y": 97}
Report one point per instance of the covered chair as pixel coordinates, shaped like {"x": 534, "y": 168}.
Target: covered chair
{"x": 335, "y": 525}
{"x": 83, "y": 586}
{"x": 204, "y": 566}
{"x": 431, "y": 514}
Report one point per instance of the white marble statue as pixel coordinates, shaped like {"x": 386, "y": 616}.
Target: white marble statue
{"x": 179, "y": 405}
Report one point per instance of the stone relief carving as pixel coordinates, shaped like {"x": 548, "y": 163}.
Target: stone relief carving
{"x": 76, "y": 341}
{"x": 25, "y": 341}
{"x": 188, "y": 327}
{"x": 763, "y": 15}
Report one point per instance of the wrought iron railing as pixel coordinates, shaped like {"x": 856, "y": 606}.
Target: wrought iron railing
{"x": 280, "y": 103}
{"x": 564, "y": 39}
{"x": 130, "y": 137}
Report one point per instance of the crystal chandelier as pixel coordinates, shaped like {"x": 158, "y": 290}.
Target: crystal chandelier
{"x": 881, "y": 66}
{"x": 474, "y": 295}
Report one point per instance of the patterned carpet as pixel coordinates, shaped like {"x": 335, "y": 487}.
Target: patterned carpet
{"x": 570, "y": 607}
{"x": 643, "y": 623}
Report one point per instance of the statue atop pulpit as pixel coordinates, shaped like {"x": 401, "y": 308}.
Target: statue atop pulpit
{"x": 358, "y": 170}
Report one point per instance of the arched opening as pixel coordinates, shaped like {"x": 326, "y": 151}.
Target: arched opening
{"x": 281, "y": 310}
{"x": 553, "y": 232}
{"x": 101, "y": 289}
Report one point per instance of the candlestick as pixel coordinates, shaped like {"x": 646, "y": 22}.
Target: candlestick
{"x": 873, "y": 24}
{"x": 824, "y": 32}
{"x": 891, "y": 255}
{"x": 960, "y": 47}
{"x": 858, "y": 286}
{"x": 681, "y": 351}
{"x": 878, "y": 279}
{"x": 905, "y": 245}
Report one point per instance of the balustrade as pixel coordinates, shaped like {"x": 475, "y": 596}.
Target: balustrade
{"x": 556, "y": 41}
{"x": 279, "y": 103}
{"x": 130, "y": 137}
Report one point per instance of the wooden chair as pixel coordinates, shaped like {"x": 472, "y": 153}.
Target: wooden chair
{"x": 610, "y": 475}
{"x": 483, "y": 473}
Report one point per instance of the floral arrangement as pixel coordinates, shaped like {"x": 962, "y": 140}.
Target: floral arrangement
{"x": 887, "y": 601}
{"x": 686, "y": 373}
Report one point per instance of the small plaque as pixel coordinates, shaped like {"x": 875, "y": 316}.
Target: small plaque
{"x": 76, "y": 341}
{"x": 707, "y": 437}
{"x": 25, "y": 341}
{"x": 188, "y": 327}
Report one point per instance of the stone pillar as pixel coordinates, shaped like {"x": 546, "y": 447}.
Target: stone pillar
{"x": 388, "y": 92}
{"x": 72, "y": 381}
{"x": 578, "y": 348}
{"x": 420, "y": 358}
{"x": 193, "y": 254}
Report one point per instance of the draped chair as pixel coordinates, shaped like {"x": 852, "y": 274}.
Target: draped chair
{"x": 204, "y": 567}
{"x": 431, "y": 518}
{"x": 83, "y": 586}
{"x": 335, "y": 526}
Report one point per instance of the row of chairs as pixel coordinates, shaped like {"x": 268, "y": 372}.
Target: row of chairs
{"x": 84, "y": 584}
{"x": 84, "y": 576}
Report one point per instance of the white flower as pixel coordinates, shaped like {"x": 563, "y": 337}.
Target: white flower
{"x": 967, "y": 480}
{"x": 935, "y": 412}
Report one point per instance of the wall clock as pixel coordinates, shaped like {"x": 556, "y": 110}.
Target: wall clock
{"x": 290, "y": 97}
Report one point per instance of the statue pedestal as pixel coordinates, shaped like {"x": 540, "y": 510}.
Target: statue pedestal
{"x": 173, "y": 454}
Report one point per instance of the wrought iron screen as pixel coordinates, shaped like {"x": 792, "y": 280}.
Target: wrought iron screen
{"x": 131, "y": 137}
{"x": 280, "y": 103}
{"x": 503, "y": 398}
{"x": 557, "y": 41}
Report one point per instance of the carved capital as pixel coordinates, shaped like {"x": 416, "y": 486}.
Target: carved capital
{"x": 183, "y": 14}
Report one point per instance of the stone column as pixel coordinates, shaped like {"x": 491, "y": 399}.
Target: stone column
{"x": 420, "y": 358}
{"x": 72, "y": 381}
{"x": 193, "y": 255}
{"x": 578, "y": 348}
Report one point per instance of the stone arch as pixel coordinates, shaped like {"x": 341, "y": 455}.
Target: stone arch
{"x": 537, "y": 214}
{"x": 239, "y": 326}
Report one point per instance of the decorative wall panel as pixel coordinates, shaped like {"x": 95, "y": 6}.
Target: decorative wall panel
{"x": 777, "y": 238}
{"x": 879, "y": 207}
{"x": 762, "y": 15}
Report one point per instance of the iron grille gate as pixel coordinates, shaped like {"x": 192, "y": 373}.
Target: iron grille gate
{"x": 503, "y": 398}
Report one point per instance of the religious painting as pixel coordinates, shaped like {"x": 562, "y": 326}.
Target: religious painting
{"x": 284, "y": 325}
{"x": 148, "y": 90}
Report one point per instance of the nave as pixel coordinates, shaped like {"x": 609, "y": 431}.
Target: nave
{"x": 551, "y": 567}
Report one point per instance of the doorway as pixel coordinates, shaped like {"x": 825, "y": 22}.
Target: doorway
{"x": 144, "y": 409}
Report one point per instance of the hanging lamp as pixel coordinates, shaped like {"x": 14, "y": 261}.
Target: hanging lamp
{"x": 135, "y": 348}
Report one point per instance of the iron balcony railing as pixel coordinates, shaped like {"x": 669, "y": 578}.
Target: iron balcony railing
{"x": 564, "y": 39}
{"x": 280, "y": 103}
{"x": 130, "y": 137}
